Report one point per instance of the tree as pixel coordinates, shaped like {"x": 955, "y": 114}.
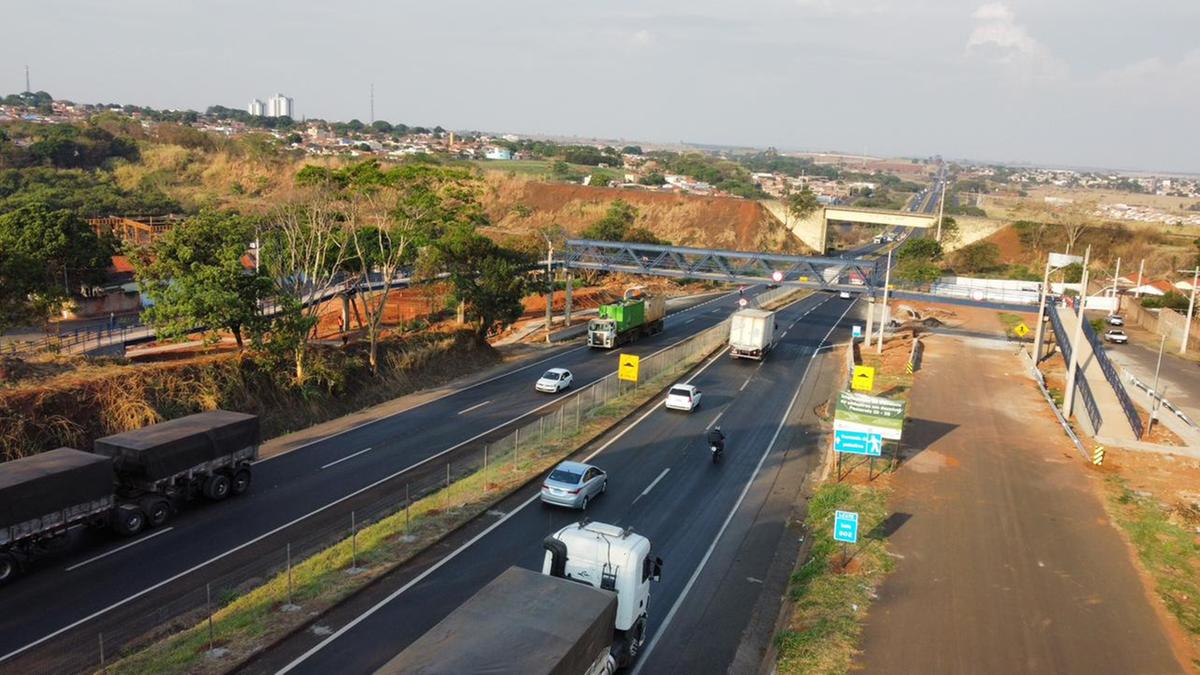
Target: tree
{"x": 45, "y": 257}
{"x": 304, "y": 253}
{"x": 981, "y": 256}
{"x": 488, "y": 280}
{"x": 802, "y": 203}
{"x": 654, "y": 178}
{"x": 919, "y": 270}
{"x": 195, "y": 275}
{"x": 920, "y": 249}
{"x": 408, "y": 207}
{"x": 950, "y": 231}
{"x": 615, "y": 223}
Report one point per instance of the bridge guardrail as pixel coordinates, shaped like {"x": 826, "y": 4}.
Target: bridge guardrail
{"x": 1085, "y": 392}
{"x": 1114, "y": 379}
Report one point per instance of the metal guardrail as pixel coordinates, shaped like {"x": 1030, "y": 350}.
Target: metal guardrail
{"x": 1064, "y": 348}
{"x": 1110, "y": 374}
{"x": 1166, "y": 403}
{"x": 1062, "y": 421}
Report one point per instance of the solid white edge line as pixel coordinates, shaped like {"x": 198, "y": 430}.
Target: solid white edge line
{"x": 119, "y": 548}
{"x": 339, "y": 461}
{"x": 474, "y": 407}
{"x": 652, "y": 484}
{"x": 453, "y": 554}
{"x": 662, "y": 629}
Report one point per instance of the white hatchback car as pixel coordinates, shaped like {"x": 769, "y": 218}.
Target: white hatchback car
{"x": 554, "y": 381}
{"x": 682, "y": 397}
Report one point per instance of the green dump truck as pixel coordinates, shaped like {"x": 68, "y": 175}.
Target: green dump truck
{"x": 626, "y": 320}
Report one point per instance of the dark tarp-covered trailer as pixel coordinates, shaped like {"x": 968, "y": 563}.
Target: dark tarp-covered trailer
{"x": 522, "y": 623}
{"x": 34, "y": 486}
{"x": 165, "y": 449}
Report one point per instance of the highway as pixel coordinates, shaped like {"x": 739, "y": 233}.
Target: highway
{"x": 702, "y": 519}
{"x": 102, "y": 583}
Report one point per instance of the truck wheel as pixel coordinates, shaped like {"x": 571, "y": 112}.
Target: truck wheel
{"x": 241, "y": 481}
{"x": 8, "y": 568}
{"x": 128, "y": 520}
{"x": 158, "y": 511}
{"x": 216, "y": 487}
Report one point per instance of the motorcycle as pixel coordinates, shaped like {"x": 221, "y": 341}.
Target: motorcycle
{"x": 716, "y": 453}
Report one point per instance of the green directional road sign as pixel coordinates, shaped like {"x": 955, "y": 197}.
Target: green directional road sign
{"x": 869, "y": 414}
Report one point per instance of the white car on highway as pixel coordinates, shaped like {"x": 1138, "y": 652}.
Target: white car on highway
{"x": 684, "y": 397}
{"x": 1116, "y": 335}
{"x": 844, "y": 295}
{"x": 554, "y": 381}
{"x": 1116, "y": 320}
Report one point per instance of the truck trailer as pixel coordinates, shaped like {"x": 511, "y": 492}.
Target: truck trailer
{"x": 584, "y": 614}
{"x": 626, "y": 320}
{"x": 133, "y": 480}
{"x": 751, "y": 333}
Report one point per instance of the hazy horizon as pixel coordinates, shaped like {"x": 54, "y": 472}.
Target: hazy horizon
{"x": 1064, "y": 83}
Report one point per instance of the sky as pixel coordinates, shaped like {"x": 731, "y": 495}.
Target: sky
{"x": 1083, "y": 83}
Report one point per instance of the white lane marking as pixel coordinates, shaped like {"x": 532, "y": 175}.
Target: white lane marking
{"x": 339, "y": 461}
{"x": 645, "y": 656}
{"x": 474, "y": 407}
{"x": 783, "y": 335}
{"x": 743, "y": 387}
{"x": 119, "y": 548}
{"x": 715, "y": 420}
{"x": 453, "y": 554}
{"x": 356, "y": 427}
{"x": 651, "y": 486}
{"x": 688, "y": 321}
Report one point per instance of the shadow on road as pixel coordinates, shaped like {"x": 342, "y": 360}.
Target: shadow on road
{"x": 889, "y": 526}
{"x": 920, "y": 434}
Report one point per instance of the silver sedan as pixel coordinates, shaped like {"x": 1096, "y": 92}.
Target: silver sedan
{"x": 574, "y": 484}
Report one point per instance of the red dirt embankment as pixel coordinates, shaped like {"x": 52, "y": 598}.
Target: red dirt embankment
{"x": 521, "y": 205}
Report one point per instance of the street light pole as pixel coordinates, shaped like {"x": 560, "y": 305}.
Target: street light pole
{"x": 1076, "y": 338}
{"x": 883, "y": 311}
{"x": 1137, "y": 293}
{"x": 1187, "y": 327}
{"x": 1116, "y": 276}
{"x": 941, "y": 210}
{"x": 1154, "y": 392}
{"x": 1039, "y": 333}
{"x": 549, "y": 287}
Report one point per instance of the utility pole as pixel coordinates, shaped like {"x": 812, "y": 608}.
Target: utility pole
{"x": 1076, "y": 338}
{"x": 1154, "y": 392}
{"x": 1041, "y": 320}
{"x": 1137, "y": 293}
{"x": 1116, "y": 276}
{"x": 549, "y": 287}
{"x": 941, "y": 210}
{"x": 1187, "y": 327}
{"x": 883, "y": 312}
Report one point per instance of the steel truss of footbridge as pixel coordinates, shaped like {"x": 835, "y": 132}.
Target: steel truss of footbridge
{"x": 682, "y": 262}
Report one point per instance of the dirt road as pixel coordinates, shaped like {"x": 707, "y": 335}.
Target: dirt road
{"x": 1007, "y": 562}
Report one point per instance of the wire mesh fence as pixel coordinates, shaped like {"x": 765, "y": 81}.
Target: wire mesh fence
{"x": 460, "y": 483}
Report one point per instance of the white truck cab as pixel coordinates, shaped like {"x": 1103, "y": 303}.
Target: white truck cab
{"x": 609, "y": 558}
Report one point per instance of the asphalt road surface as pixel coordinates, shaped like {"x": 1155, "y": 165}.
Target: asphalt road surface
{"x": 698, "y": 516}
{"x": 1006, "y": 560}
{"x": 100, "y": 584}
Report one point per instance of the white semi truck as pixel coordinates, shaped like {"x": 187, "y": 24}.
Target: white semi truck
{"x": 751, "y": 333}
{"x": 585, "y": 614}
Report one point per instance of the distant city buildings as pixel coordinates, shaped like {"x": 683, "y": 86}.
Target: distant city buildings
{"x": 280, "y": 106}
{"x": 276, "y": 106}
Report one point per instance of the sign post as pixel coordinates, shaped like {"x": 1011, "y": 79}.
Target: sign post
{"x": 845, "y": 530}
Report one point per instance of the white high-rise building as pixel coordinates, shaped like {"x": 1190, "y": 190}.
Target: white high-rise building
{"x": 257, "y": 108}
{"x": 279, "y": 106}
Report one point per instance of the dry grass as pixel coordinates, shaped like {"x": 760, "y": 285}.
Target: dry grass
{"x": 75, "y": 408}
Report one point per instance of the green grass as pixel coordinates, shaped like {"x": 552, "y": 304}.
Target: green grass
{"x": 1166, "y": 547}
{"x": 1010, "y": 320}
{"x": 830, "y": 602}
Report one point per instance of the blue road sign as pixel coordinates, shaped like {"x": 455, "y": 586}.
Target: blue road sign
{"x": 858, "y": 442}
{"x": 845, "y": 527}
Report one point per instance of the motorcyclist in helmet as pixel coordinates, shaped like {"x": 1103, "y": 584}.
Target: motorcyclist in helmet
{"x": 716, "y": 437}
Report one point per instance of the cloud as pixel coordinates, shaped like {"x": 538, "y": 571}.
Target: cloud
{"x": 998, "y": 39}
{"x": 1155, "y": 76}
{"x": 642, "y": 38}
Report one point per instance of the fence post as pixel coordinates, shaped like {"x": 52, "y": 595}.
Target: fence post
{"x": 407, "y": 504}
{"x": 208, "y": 610}
{"x": 560, "y": 421}
{"x": 353, "y": 542}
{"x": 485, "y": 467}
{"x": 578, "y": 402}
{"x": 102, "y": 667}
{"x": 447, "y": 501}
{"x": 289, "y": 571}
